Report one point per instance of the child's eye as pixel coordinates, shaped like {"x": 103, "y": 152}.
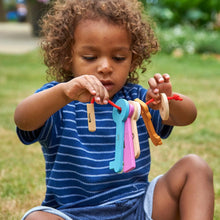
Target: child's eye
{"x": 89, "y": 58}
{"x": 119, "y": 59}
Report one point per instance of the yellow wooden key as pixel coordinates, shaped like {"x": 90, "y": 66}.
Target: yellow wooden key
{"x": 134, "y": 118}
{"x": 155, "y": 138}
{"x": 91, "y": 117}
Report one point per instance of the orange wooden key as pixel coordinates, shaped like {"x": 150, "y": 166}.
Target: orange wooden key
{"x": 155, "y": 138}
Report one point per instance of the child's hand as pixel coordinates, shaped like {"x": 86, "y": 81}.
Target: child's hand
{"x": 84, "y": 88}
{"x": 158, "y": 84}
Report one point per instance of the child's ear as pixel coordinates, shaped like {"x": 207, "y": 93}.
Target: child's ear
{"x": 67, "y": 67}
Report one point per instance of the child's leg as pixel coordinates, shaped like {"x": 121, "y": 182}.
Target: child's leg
{"x": 185, "y": 192}
{"x": 45, "y": 213}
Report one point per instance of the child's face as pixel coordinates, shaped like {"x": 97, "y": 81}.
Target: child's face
{"x": 103, "y": 50}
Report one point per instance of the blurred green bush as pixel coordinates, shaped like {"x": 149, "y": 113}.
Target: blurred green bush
{"x": 188, "y": 39}
{"x": 199, "y": 13}
{"x": 186, "y": 26}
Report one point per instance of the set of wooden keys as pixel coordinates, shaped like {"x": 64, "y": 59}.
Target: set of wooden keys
{"x": 125, "y": 114}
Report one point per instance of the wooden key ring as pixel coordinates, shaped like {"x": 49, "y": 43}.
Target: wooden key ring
{"x": 164, "y": 108}
{"x": 91, "y": 117}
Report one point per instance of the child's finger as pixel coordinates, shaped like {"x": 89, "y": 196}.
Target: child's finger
{"x": 166, "y": 77}
{"x": 153, "y": 85}
{"x": 159, "y": 78}
{"x": 98, "y": 89}
{"x": 101, "y": 94}
{"x": 106, "y": 97}
{"x": 91, "y": 85}
{"x": 152, "y": 95}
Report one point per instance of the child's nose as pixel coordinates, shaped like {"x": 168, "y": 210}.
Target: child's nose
{"x": 105, "y": 66}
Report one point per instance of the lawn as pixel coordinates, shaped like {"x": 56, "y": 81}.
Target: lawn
{"x": 22, "y": 167}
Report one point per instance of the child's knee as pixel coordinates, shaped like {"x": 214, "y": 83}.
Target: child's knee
{"x": 42, "y": 216}
{"x": 197, "y": 166}
{"x": 33, "y": 216}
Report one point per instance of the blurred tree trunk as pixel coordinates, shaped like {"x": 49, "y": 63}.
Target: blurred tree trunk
{"x": 35, "y": 11}
{"x": 2, "y": 11}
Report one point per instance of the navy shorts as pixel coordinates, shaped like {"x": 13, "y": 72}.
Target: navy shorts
{"x": 137, "y": 208}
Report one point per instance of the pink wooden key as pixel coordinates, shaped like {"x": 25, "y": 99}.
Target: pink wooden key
{"x": 129, "y": 157}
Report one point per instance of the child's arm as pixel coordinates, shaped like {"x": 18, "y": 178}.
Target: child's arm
{"x": 181, "y": 112}
{"x": 34, "y": 111}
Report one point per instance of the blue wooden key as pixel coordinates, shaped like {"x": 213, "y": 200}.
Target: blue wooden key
{"x": 119, "y": 117}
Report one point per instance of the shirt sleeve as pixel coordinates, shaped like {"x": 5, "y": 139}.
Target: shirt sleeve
{"x": 40, "y": 134}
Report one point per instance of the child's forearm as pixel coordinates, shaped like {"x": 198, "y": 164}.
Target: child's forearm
{"x": 33, "y": 111}
{"x": 181, "y": 112}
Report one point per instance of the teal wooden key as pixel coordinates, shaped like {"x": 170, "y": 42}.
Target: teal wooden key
{"x": 119, "y": 117}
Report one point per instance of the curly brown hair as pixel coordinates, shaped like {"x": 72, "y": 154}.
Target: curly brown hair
{"x": 59, "y": 23}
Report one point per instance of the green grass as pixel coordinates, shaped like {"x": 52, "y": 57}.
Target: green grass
{"x": 22, "y": 167}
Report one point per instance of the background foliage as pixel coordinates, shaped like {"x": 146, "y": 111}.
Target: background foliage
{"x": 186, "y": 26}
{"x": 188, "y": 40}
{"x": 172, "y": 12}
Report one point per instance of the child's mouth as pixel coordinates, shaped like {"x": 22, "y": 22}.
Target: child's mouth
{"x": 107, "y": 84}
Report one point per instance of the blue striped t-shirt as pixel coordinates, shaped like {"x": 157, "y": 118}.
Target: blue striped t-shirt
{"x": 77, "y": 161}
